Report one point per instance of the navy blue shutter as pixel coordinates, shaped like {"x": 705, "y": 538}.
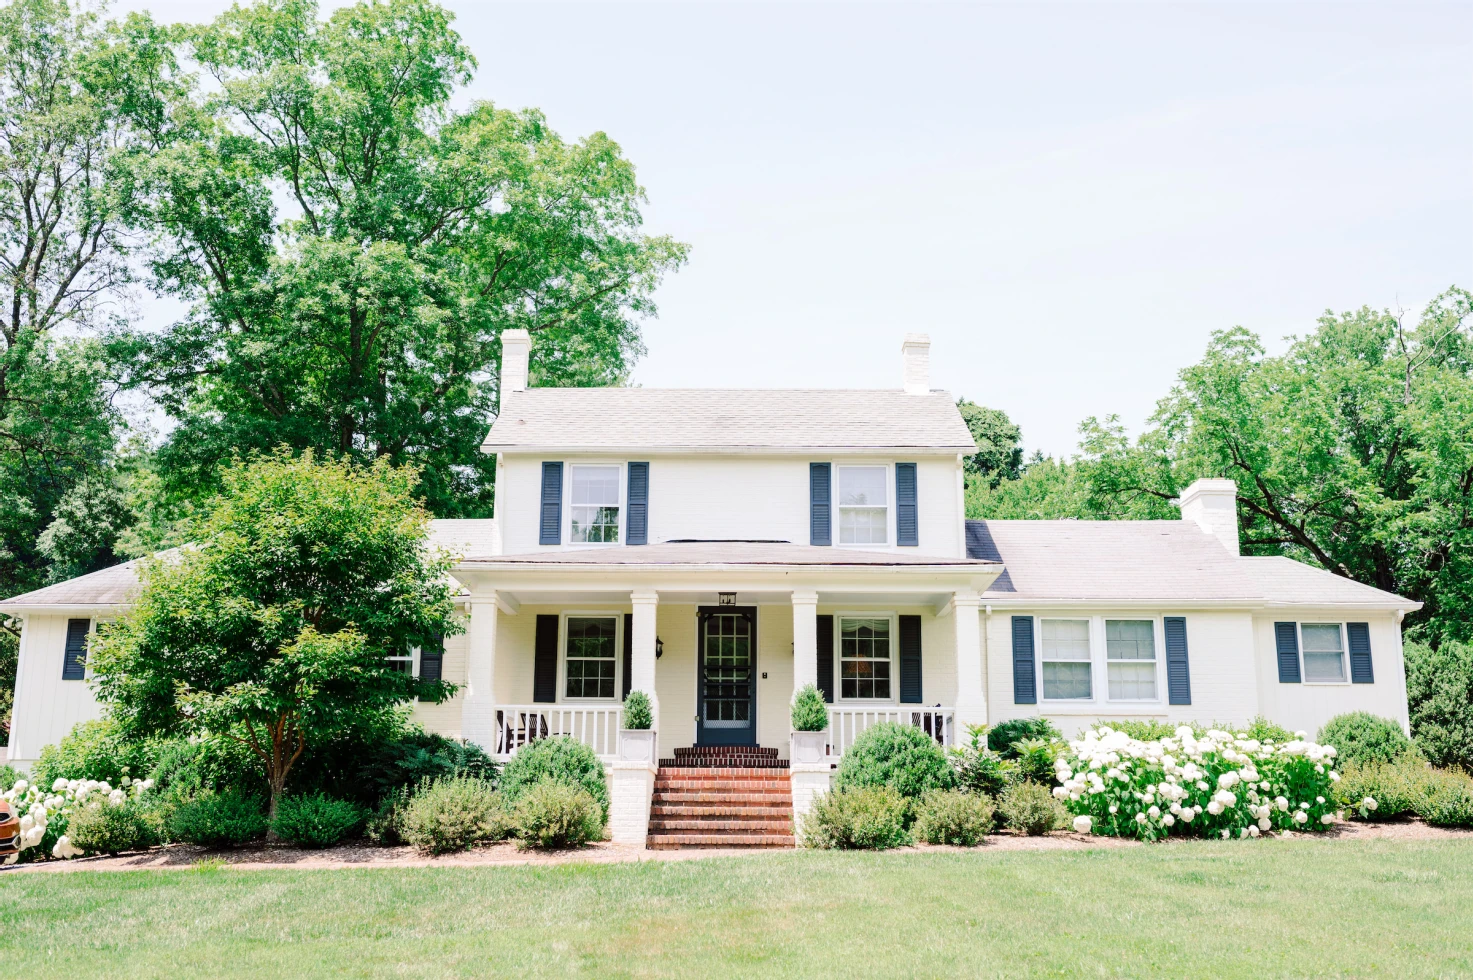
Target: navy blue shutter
{"x": 638, "y": 525}
{"x": 825, "y": 654}
{"x": 1178, "y": 673}
{"x": 820, "y": 494}
{"x": 628, "y": 649}
{"x": 1025, "y": 690}
{"x": 74, "y": 660}
{"x": 907, "y": 526}
{"x": 1286, "y": 637}
{"x": 544, "y": 661}
{"x": 1359, "y": 635}
{"x": 432, "y": 659}
{"x": 910, "y": 660}
{"x": 552, "y": 504}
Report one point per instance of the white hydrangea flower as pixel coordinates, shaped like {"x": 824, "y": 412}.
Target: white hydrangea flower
{"x": 1140, "y": 818}
{"x": 1264, "y": 823}
{"x": 1083, "y": 824}
{"x": 1254, "y": 831}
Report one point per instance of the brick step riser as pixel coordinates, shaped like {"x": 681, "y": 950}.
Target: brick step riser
{"x": 660, "y": 842}
{"x": 662, "y": 809}
{"x": 725, "y": 785}
{"x": 723, "y": 772}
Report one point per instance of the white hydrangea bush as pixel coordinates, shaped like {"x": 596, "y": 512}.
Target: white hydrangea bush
{"x": 38, "y": 807}
{"x": 1212, "y": 784}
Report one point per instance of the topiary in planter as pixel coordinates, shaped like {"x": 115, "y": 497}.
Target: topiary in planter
{"x": 553, "y": 814}
{"x": 953, "y": 817}
{"x": 1361, "y": 737}
{"x": 560, "y": 759}
{"x": 637, "y": 714}
{"x": 902, "y": 757}
{"x": 869, "y": 818}
{"x": 810, "y": 712}
{"x": 1031, "y": 808}
{"x": 316, "y": 820}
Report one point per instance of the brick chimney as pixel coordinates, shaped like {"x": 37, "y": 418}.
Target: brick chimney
{"x": 1212, "y": 504}
{"x": 516, "y": 350}
{"x": 915, "y": 352}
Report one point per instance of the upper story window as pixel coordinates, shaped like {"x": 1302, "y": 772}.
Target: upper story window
{"x": 864, "y": 512}
{"x": 403, "y": 661}
{"x": 1130, "y": 659}
{"x": 1324, "y": 652}
{"x": 1065, "y": 659}
{"x": 595, "y": 504}
{"x": 864, "y": 658}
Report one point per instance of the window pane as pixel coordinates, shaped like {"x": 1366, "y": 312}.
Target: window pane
{"x": 864, "y": 658}
{"x": 1129, "y": 639}
{"x": 1065, "y": 639}
{"x": 862, "y": 525}
{"x": 1066, "y": 679}
{"x": 1132, "y": 681}
{"x": 590, "y": 656}
{"x": 862, "y": 486}
{"x": 595, "y": 504}
{"x": 1323, "y": 652}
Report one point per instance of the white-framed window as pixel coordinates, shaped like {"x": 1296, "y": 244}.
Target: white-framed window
{"x": 1322, "y": 647}
{"x": 1064, "y": 656}
{"x": 864, "y": 509}
{"x": 404, "y": 662}
{"x": 1130, "y": 659}
{"x": 866, "y": 655}
{"x": 590, "y": 657}
{"x": 594, "y": 510}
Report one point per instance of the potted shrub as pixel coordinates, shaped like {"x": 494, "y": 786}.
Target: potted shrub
{"x": 637, "y": 737}
{"x": 810, "y": 727}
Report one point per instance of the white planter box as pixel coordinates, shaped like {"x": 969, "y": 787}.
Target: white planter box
{"x": 809, "y": 748}
{"x": 637, "y": 745}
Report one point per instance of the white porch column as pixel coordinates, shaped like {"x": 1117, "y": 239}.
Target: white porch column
{"x": 805, "y": 640}
{"x": 971, "y": 698}
{"x": 478, "y": 709}
{"x": 643, "y": 649}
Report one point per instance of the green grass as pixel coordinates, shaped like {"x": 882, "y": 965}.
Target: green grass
{"x": 1245, "y": 909}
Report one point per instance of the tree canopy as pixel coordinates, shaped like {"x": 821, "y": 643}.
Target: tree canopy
{"x": 274, "y": 628}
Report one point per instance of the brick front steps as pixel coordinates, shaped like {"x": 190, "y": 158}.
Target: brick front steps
{"x": 711, "y": 799}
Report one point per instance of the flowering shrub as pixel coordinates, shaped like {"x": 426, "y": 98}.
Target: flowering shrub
{"x": 948, "y": 816}
{"x": 1028, "y": 807}
{"x": 1217, "y": 785}
{"x": 453, "y": 815}
{"x": 39, "y": 809}
{"x": 858, "y": 818}
{"x": 554, "y": 814}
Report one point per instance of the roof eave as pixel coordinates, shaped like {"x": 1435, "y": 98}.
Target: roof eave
{"x": 605, "y": 449}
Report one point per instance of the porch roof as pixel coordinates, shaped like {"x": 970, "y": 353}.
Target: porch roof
{"x": 728, "y": 553}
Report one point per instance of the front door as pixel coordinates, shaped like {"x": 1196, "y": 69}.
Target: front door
{"x": 728, "y": 693}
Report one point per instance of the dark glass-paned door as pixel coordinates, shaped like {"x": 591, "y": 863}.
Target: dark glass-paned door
{"x": 728, "y": 694}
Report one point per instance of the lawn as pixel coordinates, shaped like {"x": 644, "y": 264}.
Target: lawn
{"x": 1246, "y": 909}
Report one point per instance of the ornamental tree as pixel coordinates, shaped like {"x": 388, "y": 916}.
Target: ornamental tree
{"x": 273, "y": 629}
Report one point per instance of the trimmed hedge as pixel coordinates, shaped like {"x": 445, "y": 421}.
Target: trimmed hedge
{"x": 213, "y": 819}
{"x": 316, "y": 820}
{"x": 1361, "y": 737}
{"x": 902, "y": 757}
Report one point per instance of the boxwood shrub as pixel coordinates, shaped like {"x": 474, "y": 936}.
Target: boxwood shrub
{"x": 316, "y": 820}
{"x": 948, "y": 816}
{"x": 1002, "y": 737}
{"x": 1361, "y": 737}
{"x": 453, "y": 815}
{"x": 560, "y": 759}
{"x": 810, "y": 712}
{"x": 902, "y": 757}
{"x": 856, "y": 818}
{"x": 213, "y": 819}
{"x": 554, "y": 814}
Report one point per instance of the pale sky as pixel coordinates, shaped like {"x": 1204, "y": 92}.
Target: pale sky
{"x": 1068, "y": 199}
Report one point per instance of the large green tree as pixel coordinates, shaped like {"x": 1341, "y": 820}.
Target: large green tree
{"x": 81, "y": 100}
{"x": 274, "y": 627}
{"x": 352, "y": 247}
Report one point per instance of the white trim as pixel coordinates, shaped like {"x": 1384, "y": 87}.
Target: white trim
{"x": 893, "y": 618}
{"x": 562, "y": 655}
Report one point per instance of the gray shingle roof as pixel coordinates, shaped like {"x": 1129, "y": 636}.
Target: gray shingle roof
{"x": 1145, "y": 560}
{"x": 727, "y": 553}
{"x": 711, "y": 420}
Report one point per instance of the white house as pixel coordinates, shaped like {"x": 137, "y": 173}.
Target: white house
{"x": 719, "y": 549}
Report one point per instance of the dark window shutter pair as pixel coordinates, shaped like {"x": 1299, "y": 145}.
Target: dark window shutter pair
{"x": 544, "y": 661}
{"x": 825, "y": 655}
{"x": 910, "y": 660}
{"x": 907, "y": 523}
{"x": 1025, "y": 688}
{"x": 551, "y": 531}
{"x": 432, "y": 659}
{"x": 74, "y": 660}
{"x": 629, "y": 646}
{"x": 1286, "y": 639}
{"x": 637, "y": 524}
{"x": 1178, "y": 671}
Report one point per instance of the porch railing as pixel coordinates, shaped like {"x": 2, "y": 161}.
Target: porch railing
{"x": 596, "y": 726}
{"x": 846, "y": 723}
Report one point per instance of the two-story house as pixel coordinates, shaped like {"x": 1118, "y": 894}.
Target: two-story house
{"x": 719, "y": 549}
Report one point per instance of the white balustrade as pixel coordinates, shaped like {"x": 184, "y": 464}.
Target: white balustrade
{"x": 847, "y": 722}
{"x": 596, "y": 726}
